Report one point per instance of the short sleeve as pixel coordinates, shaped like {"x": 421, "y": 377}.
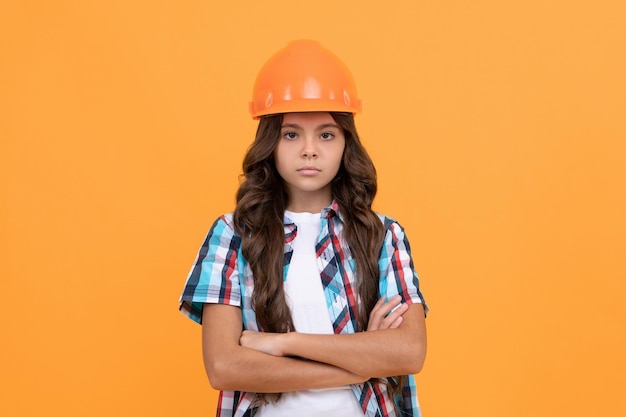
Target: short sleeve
{"x": 397, "y": 272}
{"x": 214, "y": 277}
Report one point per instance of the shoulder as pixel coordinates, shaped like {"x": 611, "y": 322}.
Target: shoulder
{"x": 223, "y": 229}
{"x": 395, "y": 235}
{"x": 227, "y": 219}
{"x": 391, "y": 225}
{"x": 224, "y": 222}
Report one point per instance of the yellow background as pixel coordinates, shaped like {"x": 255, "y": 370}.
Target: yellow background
{"x": 498, "y": 130}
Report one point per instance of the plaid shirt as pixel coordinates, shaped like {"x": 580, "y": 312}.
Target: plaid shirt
{"x": 221, "y": 275}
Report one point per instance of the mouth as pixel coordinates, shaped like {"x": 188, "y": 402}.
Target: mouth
{"x": 308, "y": 170}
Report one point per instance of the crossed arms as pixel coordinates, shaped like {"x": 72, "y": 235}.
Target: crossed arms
{"x": 394, "y": 344}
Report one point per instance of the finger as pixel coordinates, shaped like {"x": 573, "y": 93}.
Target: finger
{"x": 387, "y": 307}
{"x": 381, "y": 310}
{"x": 390, "y": 304}
{"x": 393, "y": 316}
{"x": 377, "y": 307}
{"x": 375, "y": 315}
{"x": 399, "y": 311}
{"x": 396, "y": 323}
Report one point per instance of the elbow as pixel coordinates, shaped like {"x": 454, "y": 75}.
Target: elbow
{"x": 218, "y": 374}
{"x": 216, "y": 384}
{"x": 409, "y": 361}
{"x": 216, "y": 380}
{"x": 416, "y": 365}
{"x": 412, "y": 363}
{"x": 415, "y": 357}
{"x": 416, "y": 343}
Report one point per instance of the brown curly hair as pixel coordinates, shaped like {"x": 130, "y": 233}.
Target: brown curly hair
{"x": 258, "y": 218}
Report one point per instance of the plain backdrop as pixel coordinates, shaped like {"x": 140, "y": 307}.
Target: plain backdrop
{"x": 497, "y": 128}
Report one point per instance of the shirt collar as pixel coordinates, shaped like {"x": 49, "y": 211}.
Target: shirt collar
{"x": 332, "y": 210}
{"x": 327, "y": 212}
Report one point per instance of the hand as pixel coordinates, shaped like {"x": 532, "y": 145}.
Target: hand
{"x": 263, "y": 342}
{"x": 381, "y": 316}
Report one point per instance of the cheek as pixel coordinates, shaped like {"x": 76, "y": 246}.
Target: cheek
{"x": 279, "y": 156}
{"x": 341, "y": 153}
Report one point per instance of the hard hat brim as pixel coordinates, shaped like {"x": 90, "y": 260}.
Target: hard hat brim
{"x": 301, "y": 106}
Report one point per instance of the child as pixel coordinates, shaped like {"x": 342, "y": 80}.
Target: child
{"x": 308, "y": 300}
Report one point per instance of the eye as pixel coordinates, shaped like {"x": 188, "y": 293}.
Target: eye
{"x": 327, "y": 136}
{"x": 290, "y": 135}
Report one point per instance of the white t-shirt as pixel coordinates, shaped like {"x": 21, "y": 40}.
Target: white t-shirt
{"x": 306, "y": 300}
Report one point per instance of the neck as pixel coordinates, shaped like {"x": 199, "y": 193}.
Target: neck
{"x": 309, "y": 204}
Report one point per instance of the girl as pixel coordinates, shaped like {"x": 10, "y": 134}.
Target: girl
{"x": 308, "y": 300}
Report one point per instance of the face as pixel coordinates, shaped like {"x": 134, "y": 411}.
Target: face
{"x": 308, "y": 157}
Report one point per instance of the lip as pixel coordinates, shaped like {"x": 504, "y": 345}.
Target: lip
{"x": 308, "y": 170}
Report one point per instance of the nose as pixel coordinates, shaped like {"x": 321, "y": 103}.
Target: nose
{"x": 309, "y": 150}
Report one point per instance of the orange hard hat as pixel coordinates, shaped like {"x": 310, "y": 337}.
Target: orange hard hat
{"x": 304, "y": 76}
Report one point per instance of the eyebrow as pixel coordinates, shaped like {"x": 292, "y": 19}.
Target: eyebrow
{"x": 320, "y": 127}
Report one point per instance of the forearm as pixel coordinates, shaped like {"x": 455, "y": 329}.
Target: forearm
{"x": 244, "y": 369}
{"x": 378, "y": 353}
{"x": 365, "y": 353}
{"x": 231, "y": 366}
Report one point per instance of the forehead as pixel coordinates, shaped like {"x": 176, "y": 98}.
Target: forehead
{"x": 308, "y": 119}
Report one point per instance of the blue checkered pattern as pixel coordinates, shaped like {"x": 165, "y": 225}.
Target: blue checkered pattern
{"x": 221, "y": 275}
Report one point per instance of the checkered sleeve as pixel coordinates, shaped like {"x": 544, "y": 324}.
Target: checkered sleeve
{"x": 214, "y": 277}
{"x": 397, "y": 273}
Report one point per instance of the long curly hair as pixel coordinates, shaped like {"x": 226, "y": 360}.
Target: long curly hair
{"x": 258, "y": 218}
